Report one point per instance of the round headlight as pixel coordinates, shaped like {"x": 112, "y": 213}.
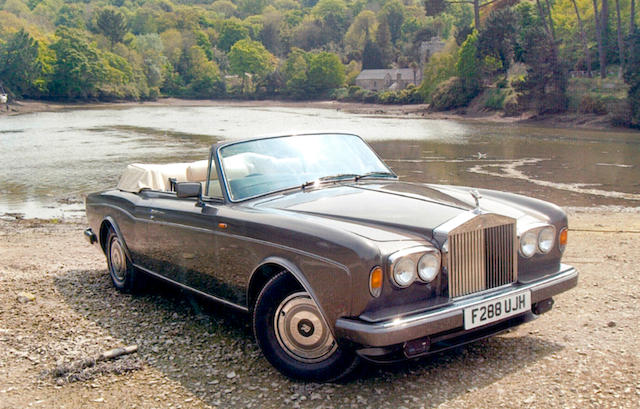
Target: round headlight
{"x": 546, "y": 238}
{"x": 429, "y": 266}
{"x": 528, "y": 244}
{"x": 404, "y": 272}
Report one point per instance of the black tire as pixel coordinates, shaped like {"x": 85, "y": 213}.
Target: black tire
{"x": 318, "y": 357}
{"x": 122, "y": 272}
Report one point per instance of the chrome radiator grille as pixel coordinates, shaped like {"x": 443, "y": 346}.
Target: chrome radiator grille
{"x": 482, "y": 255}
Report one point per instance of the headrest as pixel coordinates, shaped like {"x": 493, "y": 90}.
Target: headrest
{"x": 197, "y": 171}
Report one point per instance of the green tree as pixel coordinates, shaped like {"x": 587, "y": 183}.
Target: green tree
{"x": 383, "y": 41}
{"x": 78, "y": 68}
{"x": 393, "y": 14}
{"x": 333, "y": 16}
{"x": 497, "y": 37}
{"x": 437, "y": 7}
{"x": 361, "y": 30}
{"x": 295, "y": 72}
{"x": 441, "y": 67}
{"x": 70, "y": 15}
{"x": 151, "y": 48}
{"x": 309, "y": 34}
{"x": 231, "y": 32}
{"x": 202, "y": 77}
{"x": 546, "y": 82}
{"x": 372, "y": 57}
{"x": 224, "y": 7}
{"x": 468, "y": 65}
{"x": 20, "y": 67}
{"x": 144, "y": 21}
{"x": 271, "y": 35}
{"x": 326, "y": 72}
{"x": 112, "y": 24}
{"x": 250, "y": 57}
{"x": 632, "y": 76}
{"x": 252, "y": 7}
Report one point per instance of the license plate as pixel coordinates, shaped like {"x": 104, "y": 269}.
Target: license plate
{"x": 497, "y": 309}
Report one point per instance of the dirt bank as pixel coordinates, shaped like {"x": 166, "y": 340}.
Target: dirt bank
{"x": 57, "y": 307}
{"x": 418, "y": 111}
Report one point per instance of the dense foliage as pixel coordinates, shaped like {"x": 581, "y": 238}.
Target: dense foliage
{"x": 510, "y": 54}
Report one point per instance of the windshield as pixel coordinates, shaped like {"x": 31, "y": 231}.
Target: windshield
{"x": 261, "y": 166}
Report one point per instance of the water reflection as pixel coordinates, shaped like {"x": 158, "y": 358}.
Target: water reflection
{"x": 48, "y": 161}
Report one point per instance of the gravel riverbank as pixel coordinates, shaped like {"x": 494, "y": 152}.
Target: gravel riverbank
{"x": 58, "y": 308}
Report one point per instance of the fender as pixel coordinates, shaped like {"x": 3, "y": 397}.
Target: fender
{"x": 110, "y": 221}
{"x": 299, "y": 276}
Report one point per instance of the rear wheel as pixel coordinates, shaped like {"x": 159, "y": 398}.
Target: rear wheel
{"x": 294, "y": 336}
{"x": 122, "y": 272}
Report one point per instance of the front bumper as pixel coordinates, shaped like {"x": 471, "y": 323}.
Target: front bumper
{"x": 446, "y": 319}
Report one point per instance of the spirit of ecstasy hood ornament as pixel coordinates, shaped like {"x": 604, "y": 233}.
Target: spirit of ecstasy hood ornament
{"x": 476, "y": 196}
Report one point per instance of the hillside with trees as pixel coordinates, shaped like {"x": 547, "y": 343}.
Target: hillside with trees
{"x": 548, "y": 56}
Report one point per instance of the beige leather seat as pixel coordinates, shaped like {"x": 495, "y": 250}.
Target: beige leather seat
{"x": 197, "y": 172}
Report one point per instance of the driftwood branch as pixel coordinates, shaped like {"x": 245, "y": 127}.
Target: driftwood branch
{"x": 77, "y": 366}
{"x": 116, "y": 352}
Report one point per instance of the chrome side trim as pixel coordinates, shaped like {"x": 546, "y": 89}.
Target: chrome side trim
{"x": 193, "y": 290}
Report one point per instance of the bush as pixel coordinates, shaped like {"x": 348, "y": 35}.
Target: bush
{"x": 450, "y": 94}
{"x": 388, "y": 97}
{"x": 620, "y": 114}
{"x": 590, "y": 104}
{"x": 512, "y": 105}
{"x": 411, "y": 95}
{"x": 494, "y": 99}
{"x": 441, "y": 67}
{"x": 339, "y": 94}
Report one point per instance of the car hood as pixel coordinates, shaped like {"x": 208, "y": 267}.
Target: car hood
{"x": 378, "y": 211}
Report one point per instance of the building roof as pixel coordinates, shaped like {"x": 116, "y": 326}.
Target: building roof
{"x": 405, "y": 74}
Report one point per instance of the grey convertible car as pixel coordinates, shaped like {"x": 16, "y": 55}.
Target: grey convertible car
{"x": 333, "y": 258}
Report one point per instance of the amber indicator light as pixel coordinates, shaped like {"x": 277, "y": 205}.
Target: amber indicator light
{"x": 375, "y": 281}
{"x": 564, "y": 237}
{"x": 222, "y": 225}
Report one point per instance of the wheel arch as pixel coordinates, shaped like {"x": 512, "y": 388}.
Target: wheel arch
{"x": 269, "y": 268}
{"x": 109, "y": 223}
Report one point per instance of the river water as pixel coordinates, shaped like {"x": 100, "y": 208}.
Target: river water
{"x": 50, "y": 160}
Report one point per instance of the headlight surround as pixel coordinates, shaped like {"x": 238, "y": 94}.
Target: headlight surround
{"x": 429, "y": 266}
{"x": 404, "y": 272}
{"x": 539, "y": 238}
{"x": 421, "y": 263}
{"x": 528, "y": 243}
{"x": 546, "y": 239}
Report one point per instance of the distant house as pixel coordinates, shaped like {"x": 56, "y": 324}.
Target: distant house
{"x": 388, "y": 79}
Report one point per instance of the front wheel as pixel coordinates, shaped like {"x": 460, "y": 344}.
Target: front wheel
{"x": 294, "y": 336}
{"x": 122, "y": 272}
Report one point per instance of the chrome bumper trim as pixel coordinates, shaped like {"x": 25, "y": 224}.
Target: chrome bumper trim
{"x": 406, "y": 328}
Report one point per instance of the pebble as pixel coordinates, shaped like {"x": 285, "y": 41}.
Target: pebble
{"x": 231, "y": 375}
{"x": 25, "y": 297}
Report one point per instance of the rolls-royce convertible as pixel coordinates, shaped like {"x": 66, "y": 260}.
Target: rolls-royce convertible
{"x": 330, "y": 255}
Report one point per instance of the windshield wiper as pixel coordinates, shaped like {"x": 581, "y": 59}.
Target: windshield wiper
{"x": 375, "y": 175}
{"x": 343, "y": 176}
{"x": 330, "y": 178}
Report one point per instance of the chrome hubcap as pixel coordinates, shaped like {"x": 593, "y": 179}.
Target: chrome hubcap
{"x": 301, "y": 330}
{"x": 118, "y": 260}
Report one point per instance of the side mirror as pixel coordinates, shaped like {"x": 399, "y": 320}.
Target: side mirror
{"x": 189, "y": 189}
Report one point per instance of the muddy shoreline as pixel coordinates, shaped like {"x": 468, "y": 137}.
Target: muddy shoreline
{"x": 567, "y": 120}
{"x": 58, "y": 307}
